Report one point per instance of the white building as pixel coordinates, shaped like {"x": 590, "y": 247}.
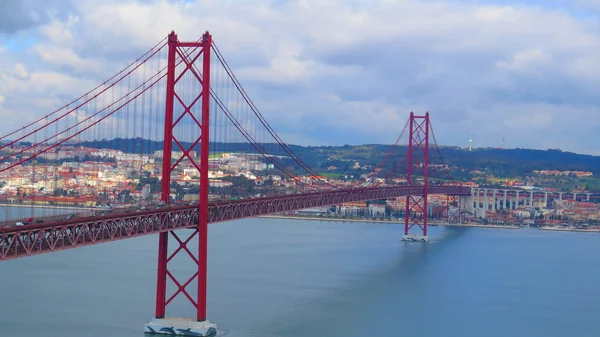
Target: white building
{"x": 376, "y": 211}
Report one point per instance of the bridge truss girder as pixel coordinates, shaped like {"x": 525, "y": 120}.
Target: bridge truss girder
{"x": 17, "y": 242}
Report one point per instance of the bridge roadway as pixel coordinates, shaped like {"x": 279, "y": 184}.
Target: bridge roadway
{"x": 16, "y": 242}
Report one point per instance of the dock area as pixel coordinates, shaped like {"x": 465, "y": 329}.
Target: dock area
{"x": 432, "y": 223}
{"x": 562, "y": 229}
{"x": 482, "y": 226}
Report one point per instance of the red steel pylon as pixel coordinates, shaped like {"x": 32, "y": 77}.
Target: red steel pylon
{"x": 181, "y": 59}
{"x": 418, "y": 157}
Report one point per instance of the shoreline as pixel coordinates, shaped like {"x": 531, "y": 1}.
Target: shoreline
{"x": 379, "y": 221}
{"x": 44, "y": 206}
{"x": 434, "y": 224}
{"x": 482, "y": 226}
{"x": 558, "y": 229}
{"x": 326, "y": 219}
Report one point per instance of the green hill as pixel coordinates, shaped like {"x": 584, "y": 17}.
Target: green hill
{"x": 502, "y": 162}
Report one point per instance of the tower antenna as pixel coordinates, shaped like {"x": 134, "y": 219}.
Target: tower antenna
{"x": 470, "y": 141}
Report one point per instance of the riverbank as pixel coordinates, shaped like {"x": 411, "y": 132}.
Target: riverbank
{"x": 482, "y": 226}
{"x": 433, "y": 223}
{"x": 399, "y": 222}
{"x": 559, "y": 229}
{"x": 48, "y": 206}
{"x": 292, "y": 217}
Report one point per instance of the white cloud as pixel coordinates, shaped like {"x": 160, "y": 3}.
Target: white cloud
{"x": 64, "y": 57}
{"x": 58, "y": 32}
{"x": 525, "y": 60}
{"x": 353, "y": 69}
{"x": 20, "y": 71}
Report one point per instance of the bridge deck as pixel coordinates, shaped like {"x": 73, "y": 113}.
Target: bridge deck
{"x": 16, "y": 242}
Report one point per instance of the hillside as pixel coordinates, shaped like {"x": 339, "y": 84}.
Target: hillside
{"x": 507, "y": 162}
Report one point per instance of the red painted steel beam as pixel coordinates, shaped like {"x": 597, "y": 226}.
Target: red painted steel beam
{"x": 16, "y": 242}
{"x": 163, "y": 240}
{"x": 203, "y": 202}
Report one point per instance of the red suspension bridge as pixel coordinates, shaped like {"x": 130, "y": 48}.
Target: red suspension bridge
{"x": 178, "y": 121}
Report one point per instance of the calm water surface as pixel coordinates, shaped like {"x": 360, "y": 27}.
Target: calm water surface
{"x": 19, "y": 212}
{"x": 270, "y": 277}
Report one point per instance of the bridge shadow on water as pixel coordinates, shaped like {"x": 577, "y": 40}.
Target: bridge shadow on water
{"x": 384, "y": 301}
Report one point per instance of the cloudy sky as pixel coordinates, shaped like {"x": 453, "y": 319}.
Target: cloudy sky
{"x": 338, "y": 72}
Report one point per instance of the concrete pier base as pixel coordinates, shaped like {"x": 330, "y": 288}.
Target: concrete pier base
{"x": 413, "y": 237}
{"x": 180, "y": 327}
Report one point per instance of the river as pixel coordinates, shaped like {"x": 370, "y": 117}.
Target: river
{"x": 15, "y": 213}
{"x": 277, "y": 277}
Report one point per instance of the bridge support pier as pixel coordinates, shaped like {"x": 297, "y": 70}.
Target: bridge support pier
{"x": 180, "y": 327}
{"x": 467, "y": 201}
{"x": 415, "y": 238}
{"x": 530, "y": 199}
{"x": 475, "y": 205}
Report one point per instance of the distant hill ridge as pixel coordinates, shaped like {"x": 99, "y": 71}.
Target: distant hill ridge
{"x": 503, "y": 161}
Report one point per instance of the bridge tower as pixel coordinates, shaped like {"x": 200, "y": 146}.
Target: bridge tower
{"x": 182, "y": 107}
{"x": 418, "y": 157}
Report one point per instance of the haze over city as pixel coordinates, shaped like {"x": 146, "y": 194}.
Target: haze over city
{"x": 507, "y": 74}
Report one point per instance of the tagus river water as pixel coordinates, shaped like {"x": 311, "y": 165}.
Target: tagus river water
{"x": 273, "y": 277}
